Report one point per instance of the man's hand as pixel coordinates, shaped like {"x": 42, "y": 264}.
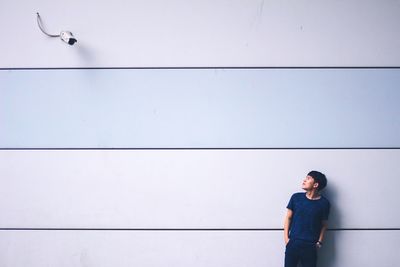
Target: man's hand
{"x": 286, "y": 226}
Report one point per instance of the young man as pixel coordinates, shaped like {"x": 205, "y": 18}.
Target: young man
{"x": 306, "y": 222}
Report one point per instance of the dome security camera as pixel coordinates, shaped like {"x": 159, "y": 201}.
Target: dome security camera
{"x": 67, "y": 37}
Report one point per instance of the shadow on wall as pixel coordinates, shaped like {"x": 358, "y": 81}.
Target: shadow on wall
{"x": 85, "y": 54}
{"x": 327, "y": 255}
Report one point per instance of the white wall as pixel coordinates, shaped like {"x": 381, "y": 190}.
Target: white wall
{"x": 190, "y": 207}
{"x": 190, "y": 188}
{"x": 201, "y": 33}
{"x": 195, "y": 207}
{"x": 186, "y": 248}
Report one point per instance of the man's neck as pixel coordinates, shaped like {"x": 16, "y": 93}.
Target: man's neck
{"x": 313, "y": 195}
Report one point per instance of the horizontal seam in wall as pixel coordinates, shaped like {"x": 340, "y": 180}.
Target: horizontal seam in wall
{"x": 186, "y": 229}
{"x": 202, "y": 148}
{"x": 194, "y": 67}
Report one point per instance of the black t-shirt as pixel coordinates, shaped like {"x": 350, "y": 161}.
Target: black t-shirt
{"x": 307, "y": 217}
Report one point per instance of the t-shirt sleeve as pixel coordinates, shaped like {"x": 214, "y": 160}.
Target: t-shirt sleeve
{"x": 325, "y": 214}
{"x": 290, "y": 205}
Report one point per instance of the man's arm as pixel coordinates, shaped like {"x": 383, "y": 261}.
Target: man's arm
{"x": 323, "y": 230}
{"x": 286, "y": 226}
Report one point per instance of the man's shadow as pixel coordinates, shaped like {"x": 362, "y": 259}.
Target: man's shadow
{"x": 327, "y": 254}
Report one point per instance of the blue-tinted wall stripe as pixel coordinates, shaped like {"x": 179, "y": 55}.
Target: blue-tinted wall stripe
{"x": 200, "y": 108}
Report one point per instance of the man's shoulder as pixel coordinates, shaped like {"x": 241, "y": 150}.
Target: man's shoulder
{"x": 325, "y": 201}
{"x": 298, "y": 194}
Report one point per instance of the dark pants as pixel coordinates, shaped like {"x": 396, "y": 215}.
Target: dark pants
{"x": 300, "y": 251}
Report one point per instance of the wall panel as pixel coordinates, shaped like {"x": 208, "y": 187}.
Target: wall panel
{"x": 295, "y": 108}
{"x": 191, "y": 188}
{"x": 189, "y": 248}
{"x": 201, "y": 33}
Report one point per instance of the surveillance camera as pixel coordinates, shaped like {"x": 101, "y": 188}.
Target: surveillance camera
{"x": 68, "y": 37}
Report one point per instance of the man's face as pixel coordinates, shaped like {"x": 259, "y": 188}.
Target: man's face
{"x": 309, "y": 183}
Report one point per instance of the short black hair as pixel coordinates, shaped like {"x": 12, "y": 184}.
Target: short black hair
{"x": 319, "y": 178}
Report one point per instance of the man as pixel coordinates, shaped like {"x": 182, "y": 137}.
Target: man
{"x": 306, "y": 222}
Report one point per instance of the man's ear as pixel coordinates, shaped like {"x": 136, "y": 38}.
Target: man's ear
{"x": 316, "y": 185}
